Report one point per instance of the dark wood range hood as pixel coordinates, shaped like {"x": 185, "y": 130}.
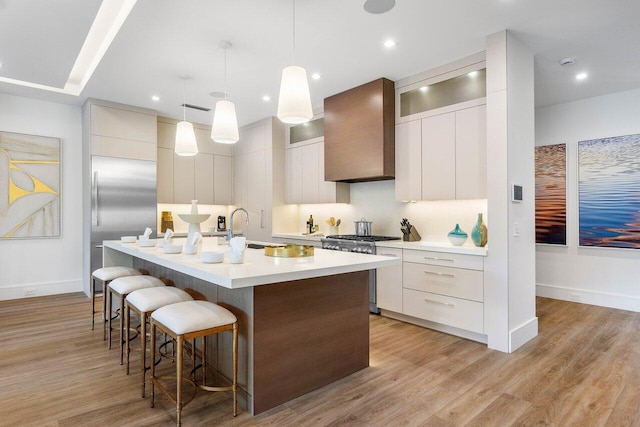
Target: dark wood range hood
{"x": 359, "y": 133}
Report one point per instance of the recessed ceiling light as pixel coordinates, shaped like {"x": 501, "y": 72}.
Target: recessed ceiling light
{"x": 216, "y": 94}
{"x": 473, "y": 74}
{"x": 581, "y": 76}
{"x": 155, "y": 98}
{"x": 378, "y": 6}
{"x": 315, "y": 76}
{"x": 266, "y": 98}
{"x": 567, "y": 61}
{"x": 390, "y": 43}
{"x": 424, "y": 88}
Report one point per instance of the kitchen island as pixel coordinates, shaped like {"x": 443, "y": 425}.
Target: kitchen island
{"x": 304, "y": 322}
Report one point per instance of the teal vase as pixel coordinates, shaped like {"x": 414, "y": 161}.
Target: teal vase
{"x": 457, "y": 237}
{"x": 479, "y": 232}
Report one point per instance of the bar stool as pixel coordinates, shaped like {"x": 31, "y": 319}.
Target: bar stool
{"x": 144, "y": 302}
{"x": 122, "y": 287}
{"x": 192, "y": 320}
{"x": 106, "y": 275}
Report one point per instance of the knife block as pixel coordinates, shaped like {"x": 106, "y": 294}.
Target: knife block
{"x": 412, "y": 236}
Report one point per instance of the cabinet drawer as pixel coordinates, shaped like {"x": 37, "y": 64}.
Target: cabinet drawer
{"x": 453, "y": 282}
{"x": 459, "y": 313}
{"x": 445, "y": 259}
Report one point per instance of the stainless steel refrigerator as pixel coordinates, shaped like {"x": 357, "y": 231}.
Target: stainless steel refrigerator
{"x": 123, "y": 201}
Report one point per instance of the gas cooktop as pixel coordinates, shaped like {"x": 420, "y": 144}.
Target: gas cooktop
{"x": 362, "y": 238}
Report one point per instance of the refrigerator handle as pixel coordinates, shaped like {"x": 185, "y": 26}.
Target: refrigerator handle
{"x": 261, "y": 218}
{"x": 94, "y": 199}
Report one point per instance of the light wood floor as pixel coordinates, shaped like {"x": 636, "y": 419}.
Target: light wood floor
{"x": 582, "y": 370}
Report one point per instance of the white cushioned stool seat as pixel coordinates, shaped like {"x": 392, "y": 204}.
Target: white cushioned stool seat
{"x": 151, "y": 299}
{"x": 191, "y": 316}
{"x": 109, "y": 273}
{"x": 105, "y": 275}
{"x": 191, "y": 320}
{"x": 126, "y": 285}
{"x": 122, "y": 287}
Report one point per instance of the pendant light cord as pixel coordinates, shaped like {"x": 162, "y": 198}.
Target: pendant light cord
{"x": 184, "y": 101}
{"x": 294, "y": 32}
{"x": 225, "y": 73}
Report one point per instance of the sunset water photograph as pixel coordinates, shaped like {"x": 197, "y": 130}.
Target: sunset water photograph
{"x": 609, "y": 192}
{"x": 551, "y": 194}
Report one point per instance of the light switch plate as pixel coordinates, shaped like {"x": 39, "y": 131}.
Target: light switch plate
{"x": 516, "y": 229}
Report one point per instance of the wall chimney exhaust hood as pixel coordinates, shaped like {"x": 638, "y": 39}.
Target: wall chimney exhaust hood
{"x": 359, "y": 133}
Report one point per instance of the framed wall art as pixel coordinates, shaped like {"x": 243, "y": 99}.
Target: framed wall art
{"x": 29, "y": 186}
{"x": 609, "y": 192}
{"x": 551, "y": 194}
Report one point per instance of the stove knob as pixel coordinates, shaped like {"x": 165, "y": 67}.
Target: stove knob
{"x": 358, "y": 250}
{"x": 369, "y": 251}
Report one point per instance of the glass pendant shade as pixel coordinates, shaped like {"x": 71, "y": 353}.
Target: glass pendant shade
{"x": 185, "y": 140}
{"x": 225, "y": 123}
{"x": 294, "y": 102}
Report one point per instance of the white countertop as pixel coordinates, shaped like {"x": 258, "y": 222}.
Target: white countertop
{"x": 257, "y": 269}
{"x": 422, "y": 245}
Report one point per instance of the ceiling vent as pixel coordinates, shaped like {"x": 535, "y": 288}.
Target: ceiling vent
{"x": 195, "y": 107}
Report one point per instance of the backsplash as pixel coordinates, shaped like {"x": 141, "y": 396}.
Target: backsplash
{"x": 375, "y": 201}
{"x": 182, "y": 227}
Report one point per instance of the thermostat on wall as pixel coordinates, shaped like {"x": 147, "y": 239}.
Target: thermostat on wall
{"x": 516, "y": 194}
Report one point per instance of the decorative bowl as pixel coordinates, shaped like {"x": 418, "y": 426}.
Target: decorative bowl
{"x": 172, "y": 249}
{"x": 212, "y": 257}
{"x": 128, "y": 239}
{"x": 146, "y": 243}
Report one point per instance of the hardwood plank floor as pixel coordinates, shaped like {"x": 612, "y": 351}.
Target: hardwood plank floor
{"x": 583, "y": 369}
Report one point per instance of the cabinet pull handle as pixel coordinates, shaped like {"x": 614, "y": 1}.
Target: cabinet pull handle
{"x": 448, "y": 304}
{"x": 439, "y": 274}
{"x": 384, "y": 254}
{"x": 438, "y": 259}
{"x": 261, "y": 218}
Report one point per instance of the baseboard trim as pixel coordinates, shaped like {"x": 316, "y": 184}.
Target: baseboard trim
{"x": 523, "y": 333}
{"x": 40, "y": 289}
{"x": 602, "y": 299}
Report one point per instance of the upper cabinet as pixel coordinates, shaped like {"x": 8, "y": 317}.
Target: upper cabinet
{"x": 441, "y": 136}
{"x": 206, "y": 177}
{"x": 117, "y": 130}
{"x": 359, "y": 133}
{"x": 304, "y": 167}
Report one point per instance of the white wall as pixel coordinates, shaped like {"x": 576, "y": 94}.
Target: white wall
{"x": 46, "y": 266}
{"x": 606, "y": 277}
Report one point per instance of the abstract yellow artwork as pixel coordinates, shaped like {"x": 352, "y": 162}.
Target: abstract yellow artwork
{"x": 29, "y": 186}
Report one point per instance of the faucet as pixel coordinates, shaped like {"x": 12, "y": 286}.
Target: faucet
{"x": 230, "y": 233}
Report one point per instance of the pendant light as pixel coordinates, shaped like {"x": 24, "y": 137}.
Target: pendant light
{"x": 225, "y": 124}
{"x": 185, "y": 136}
{"x": 294, "y": 102}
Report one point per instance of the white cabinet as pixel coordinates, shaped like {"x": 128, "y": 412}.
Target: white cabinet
{"x": 444, "y": 288}
{"x": 206, "y": 177}
{"x": 389, "y": 282}
{"x": 259, "y": 176}
{"x": 305, "y": 177}
{"x": 440, "y": 287}
{"x": 439, "y": 157}
{"x": 409, "y": 161}
{"x": 117, "y": 130}
{"x": 471, "y": 153}
{"x": 442, "y": 156}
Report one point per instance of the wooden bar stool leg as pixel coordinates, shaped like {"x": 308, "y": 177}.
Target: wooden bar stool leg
{"x": 93, "y": 302}
{"x": 235, "y": 369}
{"x": 143, "y": 347}
{"x": 204, "y": 360}
{"x": 122, "y": 321}
{"x": 108, "y": 314}
{"x": 104, "y": 311}
{"x": 179, "y": 339}
{"x": 152, "y": 340}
